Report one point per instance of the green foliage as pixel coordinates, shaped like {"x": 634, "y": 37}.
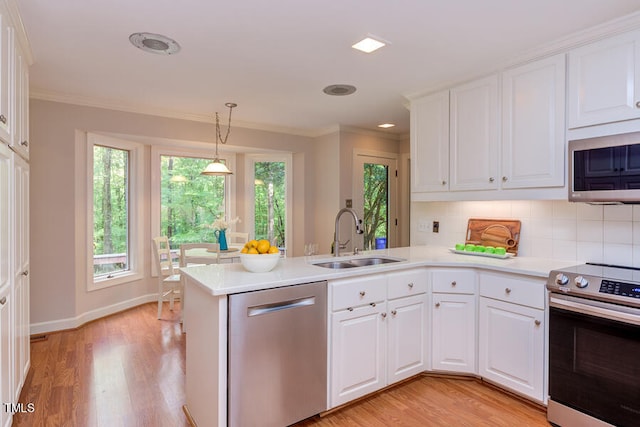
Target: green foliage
{"x": 376, "y": 196}
{"x": 270, "y": 192}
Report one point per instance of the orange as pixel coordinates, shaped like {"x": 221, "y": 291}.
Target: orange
{"x": 253, "y": 243}
{"x": 274, "y": 250}
{"x": 252, "y": 251}
{"x": 263, "y": 246}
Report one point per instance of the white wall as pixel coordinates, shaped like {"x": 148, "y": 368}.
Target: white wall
{"x": 550, "y": 229}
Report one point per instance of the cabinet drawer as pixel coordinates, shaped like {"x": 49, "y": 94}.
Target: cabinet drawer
{"x": 521, "y": 290}
{"x": 454, "y": 281}
{"x": 407, "y": 283}
{"x": 358, "y": 291}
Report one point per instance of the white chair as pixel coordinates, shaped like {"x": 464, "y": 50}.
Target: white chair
{"x": 169, "y": 283}
{"x": 237, "y": 237}
{"x": 199, "y": 253}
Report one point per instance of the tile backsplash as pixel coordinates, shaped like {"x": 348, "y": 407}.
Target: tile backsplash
{"x": 550, "y": 229}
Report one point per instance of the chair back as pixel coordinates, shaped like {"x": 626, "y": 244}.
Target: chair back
{"x": 237, "y": 237}
{"x": 199, "y": 253}
{"x": 162, "y": 253}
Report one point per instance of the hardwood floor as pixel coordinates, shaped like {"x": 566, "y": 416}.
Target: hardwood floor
{"x": 128, "y": 370}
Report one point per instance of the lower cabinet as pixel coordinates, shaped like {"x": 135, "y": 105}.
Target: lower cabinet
{"x": 6, "y": 337}
{"x": 511, "y": 339}
{"x": 378, "y": 332}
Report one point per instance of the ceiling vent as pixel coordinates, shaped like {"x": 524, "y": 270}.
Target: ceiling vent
{"x": 154, "y": 43}
{"x": 339, "y": 90}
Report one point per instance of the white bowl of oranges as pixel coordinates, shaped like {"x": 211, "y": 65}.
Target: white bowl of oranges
{"x": 258, "y": 256}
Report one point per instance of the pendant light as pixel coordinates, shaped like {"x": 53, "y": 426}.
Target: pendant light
{"x": 217, "y": 168}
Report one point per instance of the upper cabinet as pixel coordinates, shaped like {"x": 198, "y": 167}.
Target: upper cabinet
{"x": 20, "y": 134}
{"x": 473, "y": 141}
{"x": 6, "y": 82}
{"x": 604, "y": 81}
{"x": 533, "y": 122}
{"x": 506, "y": 137}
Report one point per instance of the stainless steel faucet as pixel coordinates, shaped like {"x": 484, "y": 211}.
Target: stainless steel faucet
{"x": 336, "y": 234}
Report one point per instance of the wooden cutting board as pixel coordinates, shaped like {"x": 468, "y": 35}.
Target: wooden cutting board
{"x": 494, "y": 232}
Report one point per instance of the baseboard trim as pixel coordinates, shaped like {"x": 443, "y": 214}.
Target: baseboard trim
{"x": 76, "y": 322}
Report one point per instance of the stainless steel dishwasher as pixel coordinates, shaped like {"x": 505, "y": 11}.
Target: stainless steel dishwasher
{"x": 277, "y": 373}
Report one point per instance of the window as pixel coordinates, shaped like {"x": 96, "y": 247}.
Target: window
{"x": 190, "y": 202}
{"x": 271, "y": 189}
{"x": 113, "y": 210}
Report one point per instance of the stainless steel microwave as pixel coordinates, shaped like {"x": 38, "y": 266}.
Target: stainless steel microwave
{"x": 605, "y": 169}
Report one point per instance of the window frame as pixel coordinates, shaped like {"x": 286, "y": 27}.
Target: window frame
{"x": 250, "y": 161}
{"x": 135, "y": 212}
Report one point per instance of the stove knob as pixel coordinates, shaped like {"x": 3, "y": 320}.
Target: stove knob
{"x": 561, "y": 279}
{"x": 581, "y": 282}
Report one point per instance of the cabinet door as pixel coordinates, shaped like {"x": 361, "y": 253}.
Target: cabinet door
{"x": 20, "y": 140}
{"x": 430, "y": 143}
{"x": 454, "y": 333}
{"x": 6, "y": 75}
{"x": 407, "y": 325}
{"x": 474, "y": 137}
{"x": 6, "y": 170}
{"x": 604, "y": 80}
{"x": 358, "y": 349}
{"x": 533, "y": 124}
{"x": 511, "y": 346}
{"x": 6, "y": 337}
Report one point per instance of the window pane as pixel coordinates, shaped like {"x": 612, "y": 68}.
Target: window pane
{"x": 270, "y": 193}
{"x": 376, "y": 203}
{"x": 190, "y": 202}
{"x": 110, "y": 210}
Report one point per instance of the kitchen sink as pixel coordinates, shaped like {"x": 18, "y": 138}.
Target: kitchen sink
{"x": 356, "y": 262}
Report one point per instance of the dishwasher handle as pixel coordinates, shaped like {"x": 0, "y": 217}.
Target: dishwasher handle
{"x": 258, "y": 310}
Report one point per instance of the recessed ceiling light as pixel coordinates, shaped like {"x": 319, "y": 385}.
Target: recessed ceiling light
{"x": 154, "y": 43}
{"x": 368, "y": 45}
{"x": 386, "y": 125}
{"x": 339, "y": 90}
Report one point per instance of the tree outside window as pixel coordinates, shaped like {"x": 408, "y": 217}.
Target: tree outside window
{"x": 270, "y": 202}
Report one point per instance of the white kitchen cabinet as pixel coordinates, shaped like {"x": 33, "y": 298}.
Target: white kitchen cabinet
{"x": 511, "y": 339}
{"x": 6, "y": 352}
{"x": 6, "y": 77}
{"x": 378, "y": 332}
{"x": 454, "y": 323}
{"x": 474, "y": 137}
{"x": 430, "y": 143}
{"x": 20, "y": 270}
{"x": 533, "y": 125}
{"x": 20, "y": 137}
{"x": 6, "y": 172}
{"x": 604, "y": 81}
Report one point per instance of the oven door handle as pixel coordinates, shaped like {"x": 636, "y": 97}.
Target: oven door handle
{"x": 585, "y": 308}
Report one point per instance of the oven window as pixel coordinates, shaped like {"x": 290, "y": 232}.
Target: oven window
{"x": 594, "y": 366}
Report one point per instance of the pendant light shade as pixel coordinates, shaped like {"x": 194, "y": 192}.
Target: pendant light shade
{"x": 217, "y": 168}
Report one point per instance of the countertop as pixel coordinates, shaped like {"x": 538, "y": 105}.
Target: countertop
{"x": 224, "y": 279}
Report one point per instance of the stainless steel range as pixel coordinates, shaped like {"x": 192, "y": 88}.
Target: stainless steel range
{"x": 594, "y": 346}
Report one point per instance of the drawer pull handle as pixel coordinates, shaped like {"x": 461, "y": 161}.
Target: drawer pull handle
{"x": 454, "y": 283}
{"x": 362, "y": 293}
{"x": 508, "y": 290}
{"x": 373, "y": 304}
{"x": 437, "y": 304}
{"x": 537, "y": 322}
{"x": 394, "y": 312}
{"x": 3, "y": 300}
{"x": 410, "y": 285}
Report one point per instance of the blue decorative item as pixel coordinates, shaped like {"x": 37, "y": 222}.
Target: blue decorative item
{"x": 222, "y": 239}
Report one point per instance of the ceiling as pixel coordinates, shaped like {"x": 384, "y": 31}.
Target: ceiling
{"x": 273, "y": 58}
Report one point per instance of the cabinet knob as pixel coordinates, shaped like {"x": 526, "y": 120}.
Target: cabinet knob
{"x": 437, "y": 304}
{"x": 350, "y": 309}
{"x": 362, "y": 293}
{"x": 491, "y": 179}
{"x": 373, "y": 304}
{"x": 537, "y": 322}
{"x": 638, "y": 104}
{"x": 508, "y": 290}
{"x": 454, "y": 283}
{"x": 25, "y": 143}
{"x": 393, "y": 312}
{"x": 25, "y": 273}
{"x": 3, "y": 119}
{"x": 410, "y": 285}
{"x": 504, "y": 179}
{"x": 383, "y": 315}
{"x": 3, "y": 300}
{"x": 444, "y": 182}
